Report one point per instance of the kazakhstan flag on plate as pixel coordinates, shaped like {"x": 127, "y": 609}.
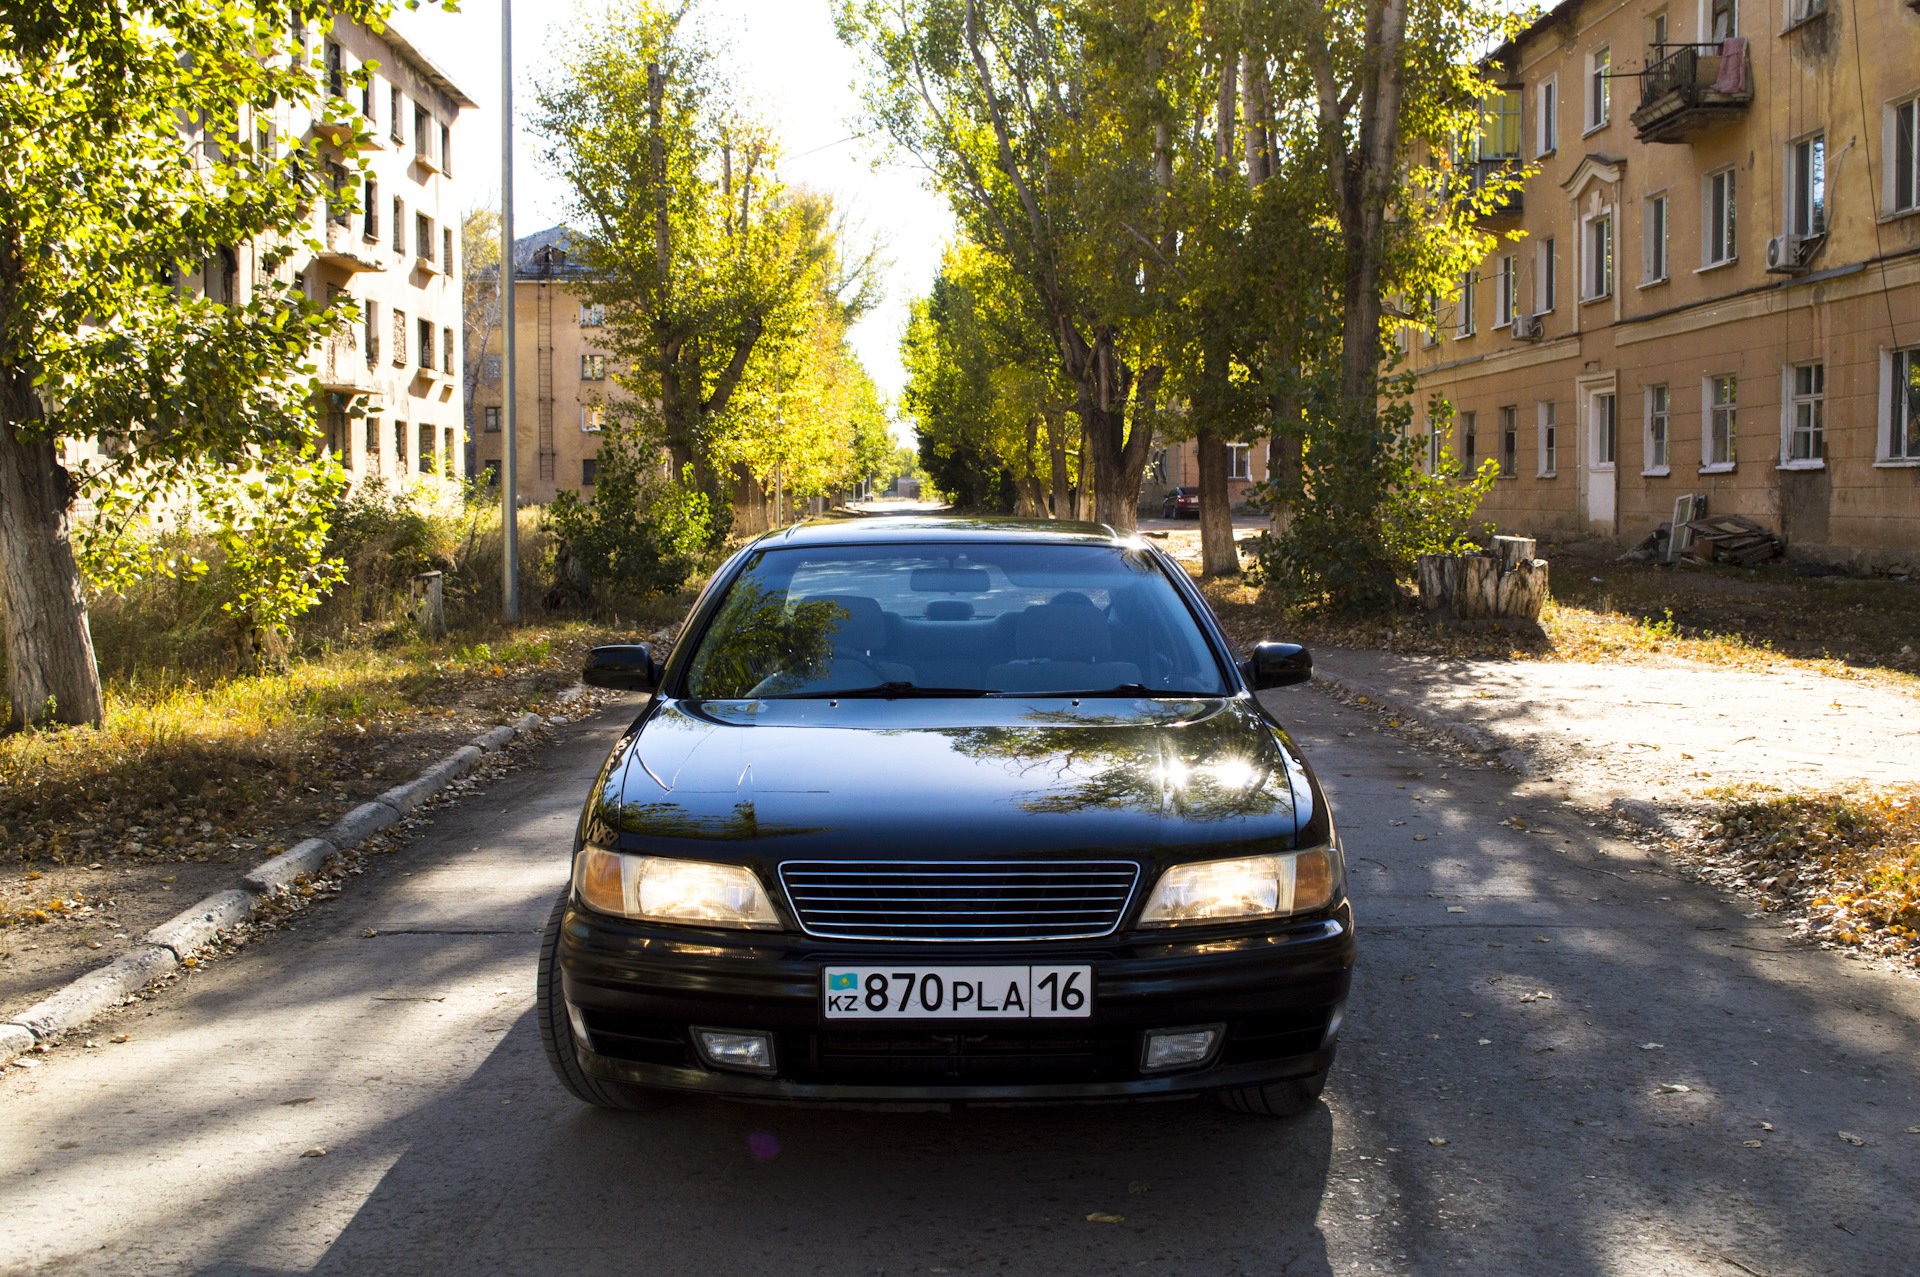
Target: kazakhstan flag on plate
{"x": 840, "y": 980}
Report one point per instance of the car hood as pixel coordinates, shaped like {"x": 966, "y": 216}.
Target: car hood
{"x": 1163, "y": 778}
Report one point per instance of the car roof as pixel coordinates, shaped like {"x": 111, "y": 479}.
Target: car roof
{"x": 942, "y": 528}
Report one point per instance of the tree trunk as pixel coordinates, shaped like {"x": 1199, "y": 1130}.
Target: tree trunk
{"x": 1218, "y": 554}
{"x": 51, "y": 675}
{"x": 1062, "y": 507}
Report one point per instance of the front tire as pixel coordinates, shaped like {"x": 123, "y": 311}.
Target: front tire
{"x": 1289, "y": 1098}
{"x": 556, "y": 1031}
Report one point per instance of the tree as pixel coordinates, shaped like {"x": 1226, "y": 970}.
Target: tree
{"x": 693, "y": 245}
{"x": 990, "y": 95}
{"x": 134, "y": 166}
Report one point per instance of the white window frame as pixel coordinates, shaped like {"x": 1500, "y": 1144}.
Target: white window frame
{"x": 1793, "y": 400}
{"x": 1240, "y": 461}
{"x": 1706, "y": 20}
{"x": 1710, "y": 409}
{"x": 1805, "y": 186}
{"x": 1547, "y": 431}
{"x": 1656, "y": 447}
{"x": 1902, "y": 197}
{"x": 1547, "y": 114}
{"x": 592, "y": 314}
{"x": 593, "y": 367}
{"x": 1799, "y": 11}
{"x": 1603, "y": 429}
{"x": 1596, "y": 270}
{"x": 1729, "y": 222}
{"x": 1546, "y": 277}
{"x": 1897, "y": 412}
{"x": 593, "y": 418}
{"x": 490, "y": 419}
{"x": 1464, "y": 308}
{"x": 1656, "y": 220}
{"x": 1506, "y": 292}
{"x": 1599, "y": 94}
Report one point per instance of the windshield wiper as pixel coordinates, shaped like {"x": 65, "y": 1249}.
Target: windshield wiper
{"x": 890, "y": 690}
{"x": 1125, "y": 689}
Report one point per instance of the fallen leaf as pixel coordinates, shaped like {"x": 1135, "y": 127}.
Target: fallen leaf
{"x": 1436, "y": 1140}
{"x": 318, "y": 1150}
{"x": 1913, "y": 1130}
{"x": 1752, "y": 1143}
{"x": 1674, "y": 1088}
{"x": 1853, "y": 1139}
{"x": 1486, "y": 1041}
{"x": 1653, "y": 1046}
{"x": 1538, "y": 995}
{"x": 1766, "y": 1126}
{"x": 1456, "y": 908}
{"x": 24, "y": 1063}
{"x": 1102, "y": 1217}
{"x": 368, "y": 934}
{"x": 121, "y": 1037}
{"x": 1423, "y": 838}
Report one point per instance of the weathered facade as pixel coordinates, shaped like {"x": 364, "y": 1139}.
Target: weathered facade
{"x": 1711, "y": 284}
{"x": 565, "y": 376}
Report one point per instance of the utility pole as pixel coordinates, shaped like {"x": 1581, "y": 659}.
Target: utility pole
{"x": 509, "y": 446}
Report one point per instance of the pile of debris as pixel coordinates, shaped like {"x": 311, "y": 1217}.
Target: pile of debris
{"x": 1719, "y": 538}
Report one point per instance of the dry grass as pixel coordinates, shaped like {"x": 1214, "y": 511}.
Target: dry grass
{"x": 1846, "y": 864}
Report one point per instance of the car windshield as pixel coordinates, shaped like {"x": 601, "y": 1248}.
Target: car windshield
{"x": 968, "y": 619}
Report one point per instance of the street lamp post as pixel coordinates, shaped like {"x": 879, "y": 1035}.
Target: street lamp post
{"x": 509, "y": 446}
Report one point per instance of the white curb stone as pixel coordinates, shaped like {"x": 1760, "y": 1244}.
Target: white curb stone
{"x": 97, "y": 991}
{"x": 494, "y": 738}
{"x": 14, "y": 1038}
{"x": 362, "y": 823}
{"x": 188, "y": 931}
{"x": 301, "y": 859}
{"x": 525, "y": 723}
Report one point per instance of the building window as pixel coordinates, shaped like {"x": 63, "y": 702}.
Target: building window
{"x": 1463, "y": 319}
{"x": 423, "y": 237}
{"x": 446, "y": 350}
{"x": 1805, "y": 417}
{"x": 593, "y": 367}
{"x": 1240, "y": 461}
{"x": 339, "y": 203}
{"x": 399, "y": 338}
{"x": 1717, "y": 444}
{"x": 593, "y": 418}
{"x": 1659, "y": 427}
{"x": 1606, "y": 429}
{"x": 370, "y": 326}
{"x": 426, "y": 344}
{"x": 1904, "y": 168}
{"x": 1599, "y": 88}
{"x": 490, "y": 367}
{"x": 369, "y": 95}
{"x": 1657, "y": 31}
{"x": 1506, "y": 283}
{"x": 422, "y": 133}
{"x": 424, "y": 457}
{"x": 1807, "y": 186}
{"x": 336, "y": 70}
{"x": 1900, "y": 412}
{"x": 490, "y": 419}
{"x": 1718, "y": 208}
{"x": 1468, "y": 443}
{"x": 370, "y": 209}
{"x": 1509, "y": 441}
{"x": 446, "y": 150}
{"x": 337, "y": 439}
{"x": 1655, "y": 224}
{"x": 1722, "y": 19}
{"x": 1549, "y": 439}
{"x": 448, "y": 464}
{"x": 1799, "y": 11}
{"x": 400, "y": 447}
{"x": 399, "y": 226}
{"x": 1548, "y": 113}
{"x": 1433, "y": 448}
{"x": 446, "y": 249}
{"x": 592, "y": 314}
{"x": 589, "y": 470}
{"x": 396, "y": 115}
{"x": 1598, "y": 282}
{"x": 1545, "y": 270}
{"x": 373, "y": 445}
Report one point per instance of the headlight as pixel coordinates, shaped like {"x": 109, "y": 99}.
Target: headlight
{"x": 1250, "y": 887}
{"x": 655, "y": 889}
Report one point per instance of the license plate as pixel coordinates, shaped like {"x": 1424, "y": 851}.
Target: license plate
{"x": 957, "y": 993}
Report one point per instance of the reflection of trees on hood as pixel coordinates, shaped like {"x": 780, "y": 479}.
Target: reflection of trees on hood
{"x": 672, "y": 820}
{"x": 755, "y": 636}
{"x": 1207, "y": 773}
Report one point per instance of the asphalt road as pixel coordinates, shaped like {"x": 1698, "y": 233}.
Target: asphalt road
{"x": 1523, "y": 997}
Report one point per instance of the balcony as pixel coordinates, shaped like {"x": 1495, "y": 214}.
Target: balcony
{"x": 1688, "y": 89}
{"x": 343, "y": 249}
{"x": 341, "y": 365}
{"x": 1507, "y": 204}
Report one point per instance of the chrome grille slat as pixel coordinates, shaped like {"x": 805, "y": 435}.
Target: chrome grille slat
{"x": 978, "y": 900}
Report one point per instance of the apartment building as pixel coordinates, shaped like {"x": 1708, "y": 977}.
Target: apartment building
{"x": 1711, "y": 284}
{"x": 389, "y": 236}
{"x": 565, "y": 375}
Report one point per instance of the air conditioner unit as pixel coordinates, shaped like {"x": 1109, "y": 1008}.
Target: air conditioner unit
{"x": 1528, "y": 327}
{"x": 1784, "y": 254}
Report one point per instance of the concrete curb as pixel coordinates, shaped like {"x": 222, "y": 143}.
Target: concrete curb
{"x": 173, "y": 941}
{"x": 1471, "y": 736}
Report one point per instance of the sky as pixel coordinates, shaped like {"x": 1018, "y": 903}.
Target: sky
{"x": 798, "y": 75}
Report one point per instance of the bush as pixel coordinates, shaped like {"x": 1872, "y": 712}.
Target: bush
{"x": 640, "y": 536}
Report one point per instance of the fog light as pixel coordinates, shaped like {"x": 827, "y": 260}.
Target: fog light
{"x": 747, "y": 1052}
{"x": 1178, "y": 1048}
{"x": 579, "y": 1022}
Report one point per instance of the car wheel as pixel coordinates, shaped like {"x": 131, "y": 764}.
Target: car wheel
{"x": 1289, "y": 1098}
{"x": 556, "y": 1033}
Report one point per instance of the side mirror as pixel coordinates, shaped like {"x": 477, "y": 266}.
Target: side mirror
{"x": 624, "y": 667}
{"x": 1277, "y": 665}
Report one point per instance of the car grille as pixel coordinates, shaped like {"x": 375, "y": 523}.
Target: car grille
{"x": 982, "y": 1059}
{"x": 963, "y": 900}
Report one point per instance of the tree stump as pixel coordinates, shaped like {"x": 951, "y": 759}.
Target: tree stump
{"x": 430, "y": 604}
{"x": 1505, "y": 586}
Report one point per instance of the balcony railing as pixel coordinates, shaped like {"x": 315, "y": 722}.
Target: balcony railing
{"x": 341, "y": 365}
{"x": 1509, "y": 203}
{"x": 344, "y": 249}
{"x": 1689, "y": 88}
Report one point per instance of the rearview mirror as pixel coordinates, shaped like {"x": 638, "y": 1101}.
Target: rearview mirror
{"x": 624, "y": 667}
{"x": 1277, "y": 665}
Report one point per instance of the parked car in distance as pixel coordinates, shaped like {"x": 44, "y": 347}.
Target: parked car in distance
{"x": 953, "y": 810}
{"x": 1181, "y": 503}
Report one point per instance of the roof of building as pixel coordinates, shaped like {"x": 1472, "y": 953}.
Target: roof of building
{"x": 547, "y": 254}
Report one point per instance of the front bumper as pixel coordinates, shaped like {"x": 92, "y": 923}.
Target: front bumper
{"x": 640, "y": 989}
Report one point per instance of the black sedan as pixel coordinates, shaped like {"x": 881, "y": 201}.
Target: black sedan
{"x": 935, "y": 809}
{"x": 1180, "y": 503}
